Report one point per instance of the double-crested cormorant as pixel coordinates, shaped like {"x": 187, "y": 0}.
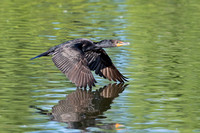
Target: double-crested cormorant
{"x": 76, "y": 58}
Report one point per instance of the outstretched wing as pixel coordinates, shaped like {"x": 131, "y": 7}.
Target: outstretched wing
{"x": 101, "y": 63}
{"x": 72, "y": 63}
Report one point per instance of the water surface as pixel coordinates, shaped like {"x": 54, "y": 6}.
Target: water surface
{"x": 162, "y": 64}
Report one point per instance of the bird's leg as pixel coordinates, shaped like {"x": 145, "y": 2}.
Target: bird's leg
{"x": 90, "y": 89}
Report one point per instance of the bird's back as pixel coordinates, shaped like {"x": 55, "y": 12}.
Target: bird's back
{"x": 69, "y": 43}
{"x": 52, "y": 49}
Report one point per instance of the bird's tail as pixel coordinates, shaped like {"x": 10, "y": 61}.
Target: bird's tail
{"x": 43, "y": 54}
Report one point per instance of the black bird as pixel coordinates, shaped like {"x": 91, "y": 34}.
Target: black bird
{"x": 76, "y": 58}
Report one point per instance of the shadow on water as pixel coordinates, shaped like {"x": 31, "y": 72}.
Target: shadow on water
{"x": 81, "y": 107}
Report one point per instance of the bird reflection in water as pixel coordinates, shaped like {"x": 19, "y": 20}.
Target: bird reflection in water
{"x": 81, "y": 107}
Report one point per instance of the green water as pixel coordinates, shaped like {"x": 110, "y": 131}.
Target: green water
{"x": 162, "y": 63}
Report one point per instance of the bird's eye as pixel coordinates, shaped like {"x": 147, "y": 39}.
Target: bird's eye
{"x": 119, "y": 42}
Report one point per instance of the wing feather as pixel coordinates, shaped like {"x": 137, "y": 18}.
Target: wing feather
{"x": 101, "y": 63}
{"x": 74, "y": 65}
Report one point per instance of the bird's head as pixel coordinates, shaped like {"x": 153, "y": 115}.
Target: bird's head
{"x": 111, "y": 43}
{"x": 118, "y": 43}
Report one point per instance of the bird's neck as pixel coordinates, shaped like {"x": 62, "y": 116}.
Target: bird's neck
{"x": 102, "y": 45}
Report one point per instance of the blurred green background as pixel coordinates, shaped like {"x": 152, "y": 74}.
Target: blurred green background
{"x": 162, "y": 62}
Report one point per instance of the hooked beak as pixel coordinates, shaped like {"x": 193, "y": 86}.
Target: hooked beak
{"x": 122, "y": 43}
